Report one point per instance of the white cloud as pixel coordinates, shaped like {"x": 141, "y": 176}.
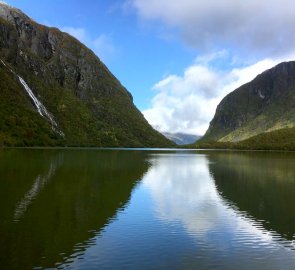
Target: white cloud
{"x": 77, "y": 32}
{"x": 249, "y": 27}
{"x": 183, "y": 191}
{"x": 101, "y": 45}
{"x": 256, "y": 34}
{"x": 104, "y": 47}
{"x": 187, "y": 103}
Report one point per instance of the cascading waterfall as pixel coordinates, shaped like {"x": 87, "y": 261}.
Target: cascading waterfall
{"x": 40, "y": 107}
{"x": 38, "y": 104}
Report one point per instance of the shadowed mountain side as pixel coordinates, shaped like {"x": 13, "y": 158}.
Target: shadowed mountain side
{"x": 69, "y": 196}
{"x": 262, "y": 187}
{"x": 262, "y": 105}
{"x": 88, "y": 104}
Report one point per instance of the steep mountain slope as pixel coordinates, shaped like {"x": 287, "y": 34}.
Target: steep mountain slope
{"x": 88, "y": 104}
{"x": 19, "y": 122}
{"x": 265, "y": 104}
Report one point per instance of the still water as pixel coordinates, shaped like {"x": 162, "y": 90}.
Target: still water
{"x": 127, "y": 209}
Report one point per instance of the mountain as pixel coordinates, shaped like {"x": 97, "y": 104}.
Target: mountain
{"x": 55, "y": 91}
{"x": 281, "y": 139}
{"x": 181, "y": 138}
{"x": 263, "y": 105}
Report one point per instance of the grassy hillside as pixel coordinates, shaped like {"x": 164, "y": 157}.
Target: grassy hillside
{"x": 20, "y": 125}
{"x": 282, "y": 139}
{"x": 277, "y": 115}
{"x": 262, "y": 105}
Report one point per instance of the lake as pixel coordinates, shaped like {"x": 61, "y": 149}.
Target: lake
{"x": 146, "y": 209}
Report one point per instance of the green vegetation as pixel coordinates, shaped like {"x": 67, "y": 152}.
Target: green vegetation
{"x": 77, "y": 193}
{"x": 262, "y": 105}
{"x": 283, "y": 139}
{"x": 20, "y": 125}
{"x": 267, "y": 180}
{"x": 277, "y": 115}
{"x": 89, "y": 104}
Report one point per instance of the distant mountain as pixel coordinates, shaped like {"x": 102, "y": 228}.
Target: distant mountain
{"x": 265, "y": 104}
{"x": 55, "y": 91}
{"x": 181, "y": 138}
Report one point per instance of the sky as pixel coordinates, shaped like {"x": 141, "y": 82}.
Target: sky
{"x": 177, "y": 58}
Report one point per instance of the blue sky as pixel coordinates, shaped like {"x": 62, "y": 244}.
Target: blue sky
{"x": 177, "y": 58}
{"x": 139, "y": 54}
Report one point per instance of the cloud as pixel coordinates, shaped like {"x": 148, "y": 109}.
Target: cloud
{"x": 187, "y": 102}
{"x": 249, "y": 28}
{"x": 184, "y": 192}
{"x": 174, "y": 201}
{"x": 101, "y": 45}
{"x": 78, "y": 33}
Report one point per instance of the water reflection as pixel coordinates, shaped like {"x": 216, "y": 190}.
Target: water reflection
{"x": 146, "y": 210}
{"x": 177, "y": 219}
{"x": 61, "y": 199}
{"x": 41, "y": 181}
{"x": 262, "y": 185}
{"x": 183, "y": 191}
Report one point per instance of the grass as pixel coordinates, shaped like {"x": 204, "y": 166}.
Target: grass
{"x": 282, "y": 139}
{"x": 89, "y": 104}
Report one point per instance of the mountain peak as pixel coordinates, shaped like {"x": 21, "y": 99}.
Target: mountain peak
{"x": 86, "y": 101}
{"x": 10, "y": 13}
{"x": 3, "y": 3}
{"x": 262, "y": 105}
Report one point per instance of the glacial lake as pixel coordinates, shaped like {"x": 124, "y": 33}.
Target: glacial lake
{"x": 146, "y": 209}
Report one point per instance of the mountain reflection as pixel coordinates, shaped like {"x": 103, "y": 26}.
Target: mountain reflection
{"x": 261, "y": 184}
{"x": 184, "y": 192}
{"x": 39, "y": 184}
{"x": 60, "y": 200}
{"x": 79, "y": 209}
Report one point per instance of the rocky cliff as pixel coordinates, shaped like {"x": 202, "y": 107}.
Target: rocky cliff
{"x": 88, "y": 105}
{"x": 262, "y": 105}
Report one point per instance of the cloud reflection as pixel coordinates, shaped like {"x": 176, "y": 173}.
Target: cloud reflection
{"x": 183, "y": 191}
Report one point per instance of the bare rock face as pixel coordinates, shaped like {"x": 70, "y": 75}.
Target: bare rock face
{"x": 71, "y": 63}
{"x": 89, "y": 103}
{"x": 262, "y": 105}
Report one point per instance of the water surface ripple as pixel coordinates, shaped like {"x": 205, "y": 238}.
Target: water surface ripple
{"x": 111, "y": 209}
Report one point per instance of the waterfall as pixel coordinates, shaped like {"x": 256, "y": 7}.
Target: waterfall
{"x": 38, "y": 104}
{"x": 40, "y": 107}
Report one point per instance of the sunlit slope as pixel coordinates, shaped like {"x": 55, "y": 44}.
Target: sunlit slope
{"x": 282, "y": 139}
{"x": 262, "y": 105}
